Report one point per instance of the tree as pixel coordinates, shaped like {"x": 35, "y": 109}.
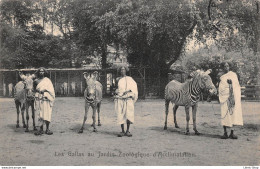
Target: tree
{"x": 24, "y": 43}
{"x": 58, "y": 13}
{"x": 153, "y": 32}
{"x": 91, "y": 33}
{"x": 148, "y": 30}
{"x": 17, "y": 13}
{"x": 243, "y": 63}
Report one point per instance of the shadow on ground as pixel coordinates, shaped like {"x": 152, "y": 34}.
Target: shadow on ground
{"x": 182, "y": 132}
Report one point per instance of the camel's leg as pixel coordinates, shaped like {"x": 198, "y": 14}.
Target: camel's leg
{"x": 17, "y": 104}
{"x": 166, "y": 113}
{"x": 33, "y": 115}
{"x": 187, "y": 110}
{"x": 98, "y": 110}
{"x": 85, "y": 117}
{"x": 27, "y": 116}
{"x": 174, "y": 114}
{"x": 194, "y": 110}
{"x": 94, "y": 118}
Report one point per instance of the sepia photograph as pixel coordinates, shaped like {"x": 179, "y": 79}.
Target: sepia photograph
{"x": 129, "y": 83}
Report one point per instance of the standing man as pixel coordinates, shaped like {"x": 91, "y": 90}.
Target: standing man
{"x": 126, "y": 96}
{"x": 230, "y": 101}
{"x": 44, "y": 99}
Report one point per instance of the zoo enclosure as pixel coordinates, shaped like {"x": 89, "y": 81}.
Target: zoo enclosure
{"x": 70, "y": 82}
{"x": 150, "y": 82}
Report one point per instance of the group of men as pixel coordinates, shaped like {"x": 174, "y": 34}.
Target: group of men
{"x": 126, "y": 95}
{"x": 229, "y": 96}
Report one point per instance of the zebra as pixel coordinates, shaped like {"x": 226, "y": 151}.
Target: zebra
{"x": 187, "y": 94}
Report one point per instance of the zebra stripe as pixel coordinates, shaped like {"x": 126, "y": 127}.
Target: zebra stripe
{"x": 195, "y": 90}
{"x": 189, "y": 94}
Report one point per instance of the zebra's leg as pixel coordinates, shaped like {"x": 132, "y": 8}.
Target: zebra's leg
{"x": 33, "y": 115}
{"x": 27, "y": 116}
{"x": 174, "y": 114}
{"x": 187, "y": 110}
{"x": 22, "y": 111}
{"x": 85, "y": 117}
{"x": 166, "y": 113}
{"x": 94, "y": 118}
{"x": 194, "y": 111}
{"x": 17, "y": 104}
{"x": 98, "y": 110}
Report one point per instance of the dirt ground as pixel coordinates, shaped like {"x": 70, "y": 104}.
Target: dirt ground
{"x": 150, "y": 144}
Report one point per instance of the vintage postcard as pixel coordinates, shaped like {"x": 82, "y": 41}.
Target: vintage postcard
{"x": 129, "y": 83}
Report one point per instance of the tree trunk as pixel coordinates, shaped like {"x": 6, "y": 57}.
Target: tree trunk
{"x": 257, "y": 37}
{"x": 104, "y": 58}
{"x": 177, "y": 53}
{"x": 180, "y": 46}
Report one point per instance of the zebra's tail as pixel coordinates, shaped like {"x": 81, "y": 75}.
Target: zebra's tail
{"x": 166, "y": 102}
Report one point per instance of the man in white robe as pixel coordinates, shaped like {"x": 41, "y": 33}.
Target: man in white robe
{"x": 44, "y": 99}
{"x": 230, "y": 101}
{"x": 126, "y": 96}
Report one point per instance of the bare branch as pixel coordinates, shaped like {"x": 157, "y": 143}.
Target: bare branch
{"x": 210, "y": 1}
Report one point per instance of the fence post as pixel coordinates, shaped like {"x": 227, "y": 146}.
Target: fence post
{"x": 16, "y": 77}
{"x": 55, "y": 83}
{"x": 80, "y": 83}
{"x": 68, "y": 89}
{"x": 144, "y": 84}
{"x": 4, "y": 87}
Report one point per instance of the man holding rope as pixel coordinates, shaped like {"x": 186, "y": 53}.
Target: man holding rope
{"x": 230, "y": 101}
{"x": 126, "y": 96}
{"x": 44, "y": 99}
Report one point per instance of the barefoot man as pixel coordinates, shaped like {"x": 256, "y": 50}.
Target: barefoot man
{"x": 126, "y": 96}
{"x": 44, "y": 98}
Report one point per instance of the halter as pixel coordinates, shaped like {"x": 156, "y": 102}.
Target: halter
{"x": 95, "y": 96}
{"x": 26, "y": 93}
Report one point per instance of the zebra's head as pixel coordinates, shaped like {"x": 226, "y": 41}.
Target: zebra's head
{"x": 28, "y": 84}
{"x": 90, "y": 91}
{"x": 206, "y": 82}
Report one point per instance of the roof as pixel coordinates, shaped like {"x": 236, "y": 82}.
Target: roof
{"x": 52, "y": 69}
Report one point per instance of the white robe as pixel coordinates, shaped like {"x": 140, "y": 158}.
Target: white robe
{"x": 233, "y": 116}
{"x": 44, "y": 102}
{"x": 124, "y": 104}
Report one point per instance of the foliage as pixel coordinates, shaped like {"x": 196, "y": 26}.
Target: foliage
{"x": 24, "y": 48}
{"x": 243, "y": 63}
{"x": 148, "y": 30}
{"x": 153, "y": 33}
{"x": 17, "y": 13}
{"x": 235, "y": 24}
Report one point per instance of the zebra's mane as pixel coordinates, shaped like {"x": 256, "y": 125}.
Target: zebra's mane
{"x": 197, "y": 77}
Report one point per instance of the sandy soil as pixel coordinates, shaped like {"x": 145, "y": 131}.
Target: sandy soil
{"x": 150, "y": 144}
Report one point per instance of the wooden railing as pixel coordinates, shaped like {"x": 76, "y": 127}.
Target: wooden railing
{"x": 250, "y": 92}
